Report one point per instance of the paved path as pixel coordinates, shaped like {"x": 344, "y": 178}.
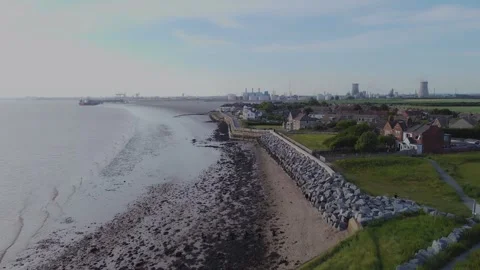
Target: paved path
{"x": 236, "y": 124}
{"x": 460, "y": 258}
{"x": 466, "y": 200}
{"x": 449, "y": 180}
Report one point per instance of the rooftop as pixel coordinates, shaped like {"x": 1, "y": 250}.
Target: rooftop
{"x": 418, "y": 129}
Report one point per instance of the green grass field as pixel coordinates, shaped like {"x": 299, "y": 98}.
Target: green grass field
{"x": 412, "y": 178}
{"x": 399, "y": 100}
{"x": 461, "y": 109}
{"x": 465, "y": 169}
{"x": 411, "y": 103}
{"x": 384, "y": 246}
{"x": 469, "y": 239}
{"x": 472, "y": 262}
{"x": 266, "y": 127}
{"x": 313, "y": 141}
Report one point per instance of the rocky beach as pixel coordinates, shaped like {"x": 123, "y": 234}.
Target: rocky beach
{"x": 244, "y": 212}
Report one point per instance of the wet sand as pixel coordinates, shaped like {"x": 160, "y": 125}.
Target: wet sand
{"x": 242, "y": 213}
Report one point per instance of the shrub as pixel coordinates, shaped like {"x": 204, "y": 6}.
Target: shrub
{"x": 388, "y": 140}
{"x": 367, "y": 142}
{"x": 267, "y": 106}
{"x": 384, "y": 107}
{"x": 313, "y": 102}
{"x": 347, "y": 141}
{"x": 344, "y": 124}
{"x": 331, "y": 124}
{"x": 357, "y": 130}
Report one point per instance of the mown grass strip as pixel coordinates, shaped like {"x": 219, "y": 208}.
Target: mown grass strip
{"x": 468, "y": 240}
{"x": 384, "y": 245}
{"x": 313, "y": 141}
{"x": 472, "y": 262}
{"x": 408, "y": 177}
{"x": 464, "y": 168}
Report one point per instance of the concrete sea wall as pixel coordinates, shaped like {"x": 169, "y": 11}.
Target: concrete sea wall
{"x": 237, "y": 133}
{"x": 337, "y": 199}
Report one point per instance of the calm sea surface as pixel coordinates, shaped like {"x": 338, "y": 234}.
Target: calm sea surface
{"x": 66, "y": 168}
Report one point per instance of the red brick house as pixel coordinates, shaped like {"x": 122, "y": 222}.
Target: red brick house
{"x": 429, "y": 136}
{"x": 415, "y": 115}
{"x": 395, "y": 128}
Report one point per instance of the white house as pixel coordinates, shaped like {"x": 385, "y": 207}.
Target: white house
{"x": 250, "y": 113}
{"x": 318, "y": 115}
{"x": 409, "y": 144}
{"x": 226, "y": 109}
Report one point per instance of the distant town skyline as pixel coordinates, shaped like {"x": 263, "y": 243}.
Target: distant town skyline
{"x": 215, "y": 47}
{"x": 422, "y": 90}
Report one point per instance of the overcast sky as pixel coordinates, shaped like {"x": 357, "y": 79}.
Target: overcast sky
{"x": 207, "y": 47}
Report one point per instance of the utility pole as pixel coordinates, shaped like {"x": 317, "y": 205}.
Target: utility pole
{"x": 474, "y": 208}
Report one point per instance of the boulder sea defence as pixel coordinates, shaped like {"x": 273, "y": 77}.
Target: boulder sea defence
{"x": 337, "y": 199}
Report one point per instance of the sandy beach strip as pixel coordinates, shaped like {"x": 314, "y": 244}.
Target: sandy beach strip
{"x": 298, "y": 232}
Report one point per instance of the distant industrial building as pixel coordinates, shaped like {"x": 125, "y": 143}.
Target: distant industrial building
{"x": 320, "y": 97}
{"x": 355, "y": 89}
{"x": 423, "y": 91}
{"x": 264, "y": 97}
{"x": 275, "y": 97}
{"x": 256, "y": 96}
{"x": 231, "y": 97}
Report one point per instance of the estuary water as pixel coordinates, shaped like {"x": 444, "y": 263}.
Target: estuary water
{"x": 68, "y": 168}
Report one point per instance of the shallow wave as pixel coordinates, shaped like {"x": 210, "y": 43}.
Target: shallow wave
{"x": 147, "y": 141}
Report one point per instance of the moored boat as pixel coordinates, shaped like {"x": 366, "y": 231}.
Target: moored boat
{"x": 89, "y": 102}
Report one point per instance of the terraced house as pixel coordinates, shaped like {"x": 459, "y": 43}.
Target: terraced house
{"x": 395, "y": 128}
{"x": 299, "y": 120}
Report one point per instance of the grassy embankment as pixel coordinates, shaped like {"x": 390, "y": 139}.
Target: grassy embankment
{"x": 472, "y": 262}
{"x": 461, "y": 109}
{"x": 384, "y": 245}
{"x": 467, "y": 241}
{"x": 276, "y": 127}
{"x": 408, "y": 177}
{"x": 465, "y": 169}
{"x": 313, "y": 141}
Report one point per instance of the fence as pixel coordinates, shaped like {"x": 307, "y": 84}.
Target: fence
{"x": 302, "y": 150}
{"x": 331, "y": 156}
{"x": 295, "y": 143}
